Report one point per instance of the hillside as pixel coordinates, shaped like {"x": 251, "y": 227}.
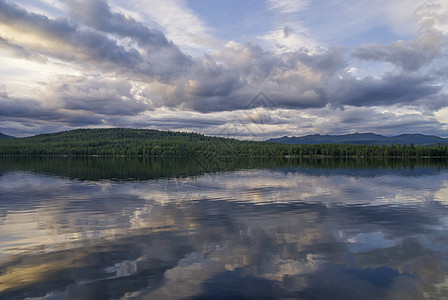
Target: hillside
{"x": 146, "y": 142}
{"x": 123, "y": 141}
{"x": 362, "y": 139}
{"x": 4, "y": 136}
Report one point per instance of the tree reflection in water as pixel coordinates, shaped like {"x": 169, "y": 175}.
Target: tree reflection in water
{"x": 322, "y": 230}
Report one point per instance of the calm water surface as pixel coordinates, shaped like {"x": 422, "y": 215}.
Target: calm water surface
{"x": 117, "y": 228}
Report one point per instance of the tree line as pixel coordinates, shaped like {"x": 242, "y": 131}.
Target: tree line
{"x": 144, "y": 142}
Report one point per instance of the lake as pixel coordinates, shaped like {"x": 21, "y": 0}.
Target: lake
{"x": 173, "y": 228}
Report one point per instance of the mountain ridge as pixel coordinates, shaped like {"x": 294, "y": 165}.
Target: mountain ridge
{"x": 5, "y": 136}
{"x": 368, "y": 138}
{"x": 150, "y": 142}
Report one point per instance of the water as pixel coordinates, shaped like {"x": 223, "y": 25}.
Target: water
{"x": 111, "y": 228}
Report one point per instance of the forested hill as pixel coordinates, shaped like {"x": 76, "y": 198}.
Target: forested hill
{"x": 362, "y": 138}
{"x": 123, "y": 141}
{"x": 116, "y": 134}
{"x": 145, "y": 142}
{"x": 4, "y": 136}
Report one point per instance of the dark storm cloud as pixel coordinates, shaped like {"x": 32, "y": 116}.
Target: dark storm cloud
{"x": 389, "y": 90}
{"x": 11, "y": 107}
{"x": 28, "y": 110}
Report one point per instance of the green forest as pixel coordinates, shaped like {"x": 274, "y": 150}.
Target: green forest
{"x": 147, "y": 142}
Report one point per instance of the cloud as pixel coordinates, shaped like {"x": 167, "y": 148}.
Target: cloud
{"x": 98, "y": 15}
{"x": 390, "y": 207}
{"x": 329, "y": 61}
{"x": 230, "y": 78}
{"x": 423, "y": 54}
{"x": 25, "y": 116}
{"x": 63, "y": 40}
{"x": 391, "y": 121}
{"x": 285, "y": 6}
{"x": 408, "y": 56}
{"x": 97, "y": 95}
{"x": 177, "y": 20}
{"x": 433, "y": 15}
{"x": 289, "y": 33}
{"x": 390, "y": 89}
{"x": 115, "y": 69}
{"x": 18, "y": 51}
{"x": 75, "y": 102}
{"x": 3, "y": 92}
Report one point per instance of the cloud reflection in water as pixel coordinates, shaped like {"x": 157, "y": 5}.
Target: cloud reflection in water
{"x": 291, "y": 233}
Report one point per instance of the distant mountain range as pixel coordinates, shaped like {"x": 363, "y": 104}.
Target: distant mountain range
{"x": 362, "y": 138}
{"x": 4, "y": 136}
{"x": 351, "y": 139}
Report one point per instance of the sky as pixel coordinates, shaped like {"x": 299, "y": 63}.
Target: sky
{"x": 246, "y": 69}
